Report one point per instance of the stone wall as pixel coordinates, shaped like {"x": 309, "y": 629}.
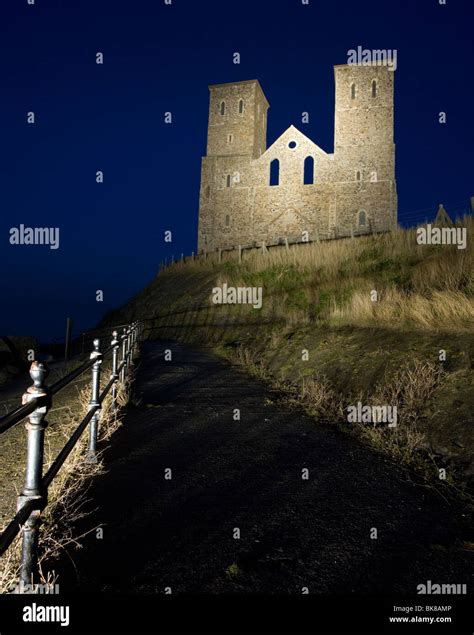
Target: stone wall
{"x": 352, "y": 190}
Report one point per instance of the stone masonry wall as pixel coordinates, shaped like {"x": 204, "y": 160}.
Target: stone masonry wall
{"x": 353, "y": 190}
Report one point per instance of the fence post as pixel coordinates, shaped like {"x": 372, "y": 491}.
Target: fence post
{"x": 91, "y": 456}
{"x": 34, "y": 468}
{"x": 115, "y": 353}
{"x": 129, "y": 347}
{"x": 134, "y": 339}
{"x": 124, "y": 355}
{"x": 67, "y": 344}
{"x": 137, "y": 337}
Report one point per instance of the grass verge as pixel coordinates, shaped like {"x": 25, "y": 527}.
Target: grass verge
{"x": 67, "y": 493}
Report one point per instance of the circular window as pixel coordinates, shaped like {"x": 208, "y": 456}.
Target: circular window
{"x": 292, "y": 145}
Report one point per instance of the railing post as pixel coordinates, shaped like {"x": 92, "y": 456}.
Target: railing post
{"x": 132, "y": 340}
{"x": 129, "y": 348}
{"x": 124, "y": 355}
{"x": 135, "y": 337}
{"x": 34, "y": 468}
{"x": 91, "y": 456}
{"x": 115, "y": 354}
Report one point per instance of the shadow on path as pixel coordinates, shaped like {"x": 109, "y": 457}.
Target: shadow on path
{"x": 247, "y": 475}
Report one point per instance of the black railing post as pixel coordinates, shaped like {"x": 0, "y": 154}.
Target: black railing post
{"x": 124, "y": 355}
{"x": 135, "y": 338}
{"x": 129, "y": 348}
{"x": 34, "y": 469}
{"x": 91, "y": 456}
{"x": 115, "y": 355}
{"x": 67, "y": 344}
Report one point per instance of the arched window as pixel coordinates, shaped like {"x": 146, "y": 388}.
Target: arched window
{"x": 309, "y": 171}
{"x": 275, "y": 172}
{"x": 353, "y": 91}
{"x": 228, "y": 180}
{"x": 241, "y": 106}
{"x": 374, "y": 88}
{"x": 358, "y": 175}
{"x": 227, "y": 220}
{"x": 222, "y": 111}
{"x": 362, "y": 218}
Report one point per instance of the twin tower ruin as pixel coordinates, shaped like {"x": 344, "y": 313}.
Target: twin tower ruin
{"x": 295, "y": 190}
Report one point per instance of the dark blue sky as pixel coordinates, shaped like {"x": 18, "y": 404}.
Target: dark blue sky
{"x": 162, "y": 58}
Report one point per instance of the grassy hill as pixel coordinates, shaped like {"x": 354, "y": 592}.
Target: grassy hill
{"x": 377, "y": 319}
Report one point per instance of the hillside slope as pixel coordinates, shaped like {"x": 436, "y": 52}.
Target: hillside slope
{"x": 378, "y": 320}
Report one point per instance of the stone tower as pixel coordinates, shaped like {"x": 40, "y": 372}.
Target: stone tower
{"x": 237, "y": 134}
{"x": 364, "y": 151}
{"x": 252, "y": 194}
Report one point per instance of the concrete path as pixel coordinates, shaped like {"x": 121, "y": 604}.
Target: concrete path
{"x": 246, "y": 475}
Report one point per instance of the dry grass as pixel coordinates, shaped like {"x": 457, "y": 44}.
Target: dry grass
{"x": 433, "y": 311}
{"x": 68, "y": 492}
{"x": 418, "y": 286}
{"x": 410, "y": 390}
{"x": 320, "y": 399}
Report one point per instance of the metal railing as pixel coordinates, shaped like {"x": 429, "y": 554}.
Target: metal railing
{"x": 36, "y": 402}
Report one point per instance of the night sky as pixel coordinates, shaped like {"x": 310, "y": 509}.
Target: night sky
{"x": 160, "y": 58}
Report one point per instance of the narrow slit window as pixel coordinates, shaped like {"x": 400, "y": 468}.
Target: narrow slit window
{"x": 222, "y": 110}
{"x": 227, "y": 220}
{"x": 374, "y": 88}
{"x": 362, "y": 218}
{"x": 275, "y": 172}
{"x": 228, "y": 180}
{"x": 241, "y": 106}
{"x": 358, "y": 175}
{"x": 353, "y": 91}
{"x": 309, "y": 171}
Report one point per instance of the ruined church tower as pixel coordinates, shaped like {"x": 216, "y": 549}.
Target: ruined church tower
{"x": 237, "y": 134}
{"x": 364, "y": 150}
